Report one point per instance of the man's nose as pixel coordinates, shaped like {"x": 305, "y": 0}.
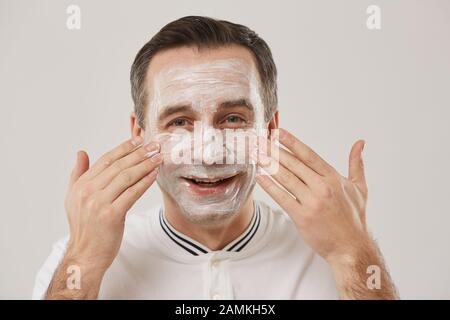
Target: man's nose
{"x": 211, "y": 146}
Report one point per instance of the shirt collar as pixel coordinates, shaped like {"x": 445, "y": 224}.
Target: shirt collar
{"x": 195, "y": 248}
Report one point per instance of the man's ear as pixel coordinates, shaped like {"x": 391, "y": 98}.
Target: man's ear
{"x": 136, "y": 130}
{"x": 273, "y": 124}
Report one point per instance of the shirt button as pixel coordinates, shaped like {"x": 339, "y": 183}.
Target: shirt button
{"x": 215, "y": 263}
{"x": 216, "y": 296}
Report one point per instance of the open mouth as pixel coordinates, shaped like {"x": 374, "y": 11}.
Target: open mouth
{"x": 209, "y": 185}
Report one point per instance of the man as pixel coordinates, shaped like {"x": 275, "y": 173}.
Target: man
{"x": 210, "y": 239}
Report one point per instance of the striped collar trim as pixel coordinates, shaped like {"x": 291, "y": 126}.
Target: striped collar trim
{"x": 195, "y": 248}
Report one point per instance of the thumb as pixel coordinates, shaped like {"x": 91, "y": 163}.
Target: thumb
{"x": 356, "y": 165}
{"x": 81, "y": 166}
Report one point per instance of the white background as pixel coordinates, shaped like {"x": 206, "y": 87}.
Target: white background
{"x": 65, "y": 90}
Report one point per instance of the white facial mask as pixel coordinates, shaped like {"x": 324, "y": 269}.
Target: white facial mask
{"x": 204, "y": 87}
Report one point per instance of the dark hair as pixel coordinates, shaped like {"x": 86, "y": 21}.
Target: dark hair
{"x": 204, "y": 32}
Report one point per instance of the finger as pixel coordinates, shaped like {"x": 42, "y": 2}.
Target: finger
{"x": 356, "y": 172}
{"x": 304, "y": 153}
{"x": 138, "y": 155}
{"x": 110, "y": 157}
{"x": 129, "y": 197}
{"x": 81, "y": 166}
{"x": 284, "y": 199}
{"x": 129, "y": 177}
{"x": 285, "y": 178}
{"x": 293, "y": 164}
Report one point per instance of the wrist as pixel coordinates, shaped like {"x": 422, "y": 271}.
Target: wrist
{"x": 90, "y": 266}
{"x": 354, "y": 268}
{"x": 76, "y": 279}
{"x": 354, "y": 256}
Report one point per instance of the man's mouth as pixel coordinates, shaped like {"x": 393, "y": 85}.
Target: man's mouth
{"x": 206, "y": 186}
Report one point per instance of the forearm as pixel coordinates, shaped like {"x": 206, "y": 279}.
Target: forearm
{"x": 74, "y": 280}
{"x": 363, "y": 275}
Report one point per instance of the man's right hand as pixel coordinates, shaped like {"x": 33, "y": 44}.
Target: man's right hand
{"x": 96, "y": 203}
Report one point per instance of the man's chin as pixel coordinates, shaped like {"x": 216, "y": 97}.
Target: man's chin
{"x": 210, "y": 212}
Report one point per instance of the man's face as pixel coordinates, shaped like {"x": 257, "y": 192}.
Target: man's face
{"x": 205, "y": 108}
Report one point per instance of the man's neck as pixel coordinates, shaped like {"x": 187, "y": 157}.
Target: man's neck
{"x": 214, "y": 237}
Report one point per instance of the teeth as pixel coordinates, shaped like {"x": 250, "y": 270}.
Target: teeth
{"x": 209, "y": 182}
{"x": 200, "y": 181}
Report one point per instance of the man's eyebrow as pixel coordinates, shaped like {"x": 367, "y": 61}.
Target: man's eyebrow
{"x": 169, "y": 110}
{"x": 237, "y": 103}
{"x": 172, "y": 109}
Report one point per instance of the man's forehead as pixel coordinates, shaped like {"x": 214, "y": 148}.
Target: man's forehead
{"x": 227, "y": 64}
{"x": 226, "y": 71}
{"x": 210, "y": 77}
{"x": 205, "y": 85}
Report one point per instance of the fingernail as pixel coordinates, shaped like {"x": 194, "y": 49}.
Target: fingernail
{"x": 136, "y": 141}
{"x": 152, "y": 146}
{"x": 151, "y": 153}
{"x": 156, "y": 158}
{"x": 364, "y": 144}
{"x": 362, "y": 151}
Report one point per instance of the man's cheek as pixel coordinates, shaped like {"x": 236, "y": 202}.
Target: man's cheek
{"x": 174, "y": 147}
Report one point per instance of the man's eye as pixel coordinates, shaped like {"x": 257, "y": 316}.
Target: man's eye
{"x": 178, "y": 122}
{"x": 234, "y": 119}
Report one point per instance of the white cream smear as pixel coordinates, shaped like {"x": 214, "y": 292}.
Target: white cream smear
{"x": 204, "y": 170}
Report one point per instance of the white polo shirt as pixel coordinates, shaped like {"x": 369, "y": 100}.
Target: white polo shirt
{"x": 269, "y": 260}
